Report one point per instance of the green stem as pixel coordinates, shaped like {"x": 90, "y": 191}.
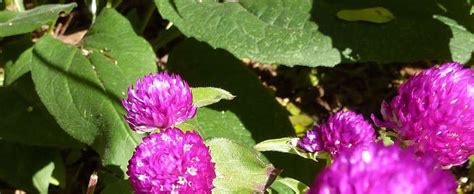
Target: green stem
{"x": 109, "y": 3}
{"x": 15, "y": 5}
{"x": 117, "y": 3}
{"x": 51, "y": 27}
{"x": 148, "y": 14}
{"x": 19, "y": 5}
{"x": 164, "y": 37}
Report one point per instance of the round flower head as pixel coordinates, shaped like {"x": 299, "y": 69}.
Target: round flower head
{"x": 171, "y": 162}
{"x": 343, "y": 130}
{"x": 376, "y": 169}
{"x": 311, "y": 142}
{"x": 434, "y": 112}
{"x": 159, "y": 101}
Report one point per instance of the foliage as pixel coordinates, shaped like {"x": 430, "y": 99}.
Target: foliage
{"x": 64, "y": 69}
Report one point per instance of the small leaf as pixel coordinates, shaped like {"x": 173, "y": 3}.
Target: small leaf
{"x": 283, "y": 184}
{"x": 279, "y": 145}
{"x": 238, "y": 168}
{"x": 288, "y": 145}
{"x": 378, "y": 15}
{"x": 19, "y": 68}
{"x": 461, "y": 43}
{"x": 27, "y": 167}
{"x": 27, "y": 21}
{"x": 203, "y": 96}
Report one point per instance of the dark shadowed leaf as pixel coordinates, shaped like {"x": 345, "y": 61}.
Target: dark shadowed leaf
{"x": 253, "y": 116}
{"x": 24, "y": 119}
{"x": 19, "y": 170}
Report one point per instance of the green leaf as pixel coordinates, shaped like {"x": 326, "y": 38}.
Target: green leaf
{"x": 11, "y": 48}
{"x": 264, "y": 31}
{"x": 82, "y": 88}
{"x": 289, "y": 185}
{"x": 24, "y": 120}
{"x": 27, "y": 21}
{"x": 27, "y": 167}
{"x": 462, "y": 42}
{"x": 238, "y": 168}
{"x": 253, "y": 116}
{"x": 58, "y": 177}
{"x": 408, "y": 37}
{"x": 278, "y": 145}
{"x": 212, "y": 123}
{"x": 204, "y": 96}
{"x": 119, "y": 186}
{"x": 288, "y": 145}
{"x": 305, "y": 32}
{"x": 375, "y": 15}
{"x": 22, "y": 66}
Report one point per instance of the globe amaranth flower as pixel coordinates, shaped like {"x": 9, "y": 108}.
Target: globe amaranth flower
{"x": 158, "y": 100}
{"x": 171, "y": 162}
{"x": 343, "y": 130}
{"x": 376, "y": 169}
{"x": 434, "y": 112}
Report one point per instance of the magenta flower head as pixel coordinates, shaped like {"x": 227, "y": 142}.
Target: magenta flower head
{"x": 376, "y": 169}
{"x": 159, "y": 101}
{"x": 434, "y": 112}
{"x": 171, "y": 162}
{"x": 343, "y": 130}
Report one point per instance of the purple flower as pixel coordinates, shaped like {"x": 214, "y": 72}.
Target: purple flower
{"x": 159, "y": 101}
{"x": 311, "y": 142}
{"x": 343, "y": 130}
{"x": 376, "y": 169}
{"x": 434, "y": 112}
{"x": 171, "y": 162}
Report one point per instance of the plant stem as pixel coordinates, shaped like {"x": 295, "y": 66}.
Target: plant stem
{"x": 149, "y": 12}
{"x": 19, "y": 5}
{"x": 51, "y": 27}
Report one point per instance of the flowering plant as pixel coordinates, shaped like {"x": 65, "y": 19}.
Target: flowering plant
{"x": 247, "y": 96}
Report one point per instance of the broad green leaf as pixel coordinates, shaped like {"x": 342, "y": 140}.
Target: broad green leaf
{"x": 253, "y": 116}
{"x": 82, "y": 88}
{"x": 24, "y": 120}
{"x": 375, "y": 14}
{"x": 305, "y": 32}
{"x": 19, "y": 67}
{"x": 264, "y": 31}
{"x": 238, "y": 168}
{"x": 27, "y": 167}
{"x": 27, "y": 21}
{"x": 204, "y": 96}
{"x": 7, "y": 15}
